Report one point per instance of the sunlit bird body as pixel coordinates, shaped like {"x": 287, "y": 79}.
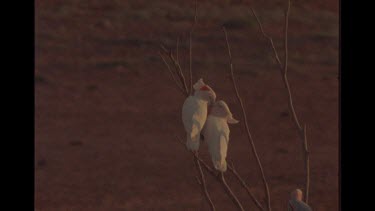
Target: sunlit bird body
{"x": 194, "y": 113}
{"x": 216, "y": 133}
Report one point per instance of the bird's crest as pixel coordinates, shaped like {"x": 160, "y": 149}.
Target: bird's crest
{"x": 199, "y": 84}
{"x": 230, "y": 118}
{"x": 205, "y": 88}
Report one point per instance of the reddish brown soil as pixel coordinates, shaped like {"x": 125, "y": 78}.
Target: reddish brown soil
{"x": 107, "y": 112}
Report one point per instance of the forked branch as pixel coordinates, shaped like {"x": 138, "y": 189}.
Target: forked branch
{"x": 250, "y": 139}
{"x": 284, "y": 70}
{"x": 177, "y": 73}
{"x": 202, "y": 182}
{"x": 179, "y": 79}
{"x": 230, "y": 192}
{"x": 178, "y": 84}
{"x": 245, "y": 186}
{"x": 218, "y": 177}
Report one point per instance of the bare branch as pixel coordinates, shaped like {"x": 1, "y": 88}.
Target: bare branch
{"x": 196, "y": 12}
{"x": 190, "y": 63}
{"x": 206, "y": 166}
{"x": 244, "y": 185}
{"x": 286, "y": 39}
{"x": 230, "y": 192}
{"x": 164, "y": 49}
{"x": 171, "y": 73}
{"x": 190, "y": 47}
{"x": 283, "y": 71}
{"x": 203, "y": 182}
{"x": 306, "y": 156}
{"x": 178, "y": 70}
{"x": 269, "y": 38}
{"x": 198, "y": 181}
{"x": 250, "y": 139}
{"x": 177, "y": 47}
{"x": 217, "y": 177}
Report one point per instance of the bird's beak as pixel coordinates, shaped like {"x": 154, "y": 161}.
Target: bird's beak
{"x": 232, "y": 120}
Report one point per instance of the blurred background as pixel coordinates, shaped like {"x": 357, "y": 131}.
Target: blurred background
{"x": 107, "y": 112}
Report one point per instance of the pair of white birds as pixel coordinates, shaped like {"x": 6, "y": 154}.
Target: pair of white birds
{"x": 201, "y": 114}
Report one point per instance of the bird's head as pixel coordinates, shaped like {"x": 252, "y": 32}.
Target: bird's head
{"x": 204, "y": 91}
{"x": 221, "y": 109}
{"x": 297, "y": 195}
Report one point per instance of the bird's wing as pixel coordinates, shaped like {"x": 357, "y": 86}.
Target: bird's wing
{"x": 188, "y": 110}
{"x": 223, "y": 147}
{"x": 195, "y": 131}
{"x": 199, "y": 117}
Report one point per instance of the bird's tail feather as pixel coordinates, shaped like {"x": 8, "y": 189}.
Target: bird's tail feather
{"x": 192, "y": 143}
{"x": 220, "y": 165}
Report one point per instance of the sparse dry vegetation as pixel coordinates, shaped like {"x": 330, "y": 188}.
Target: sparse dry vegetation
{"x": 125, "y": 161}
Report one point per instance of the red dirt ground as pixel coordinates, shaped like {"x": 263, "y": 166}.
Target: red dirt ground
{"x": 107, "y": 111}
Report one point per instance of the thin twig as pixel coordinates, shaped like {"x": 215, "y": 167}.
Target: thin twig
{"x": 190, "y": 64}
{"x": 177, "y": 47}
{"x": 233, "y": 197}
{"x": 217, "y": 177}
{"x": 190, "y": 47}
{"x": 178, "y": 69}
{"x": 286, "y": 39}
{"x": 187, "y": 91}
{"x": 268, "y": 37}
{"x": 306, "y": 156}
{"x": 283, "y": 71}
{"x": 205, "y": 165}
{"x": 250, "y": 139}
{"x": 198, "y": 181}
{"x": 203, "y": 182}
{"x": 244, "y": 185}
{"x": 172, "y": 74}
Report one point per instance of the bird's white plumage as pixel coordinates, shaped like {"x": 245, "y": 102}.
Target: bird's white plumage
{"x": 194, "y": 114}
{"x": 216, "y": 134}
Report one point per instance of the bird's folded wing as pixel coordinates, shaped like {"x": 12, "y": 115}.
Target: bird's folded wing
{"x": 223, "y": 147}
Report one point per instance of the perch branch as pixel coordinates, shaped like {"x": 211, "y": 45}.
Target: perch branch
{"x": 250, "y": 139}
{"x": 218, "y": 177}
{"x": 202, "y": 182}
{"x": 244, "y": 185}
{"x": 186, "y": 91}
{"x": 230, "y": 192}
{"x": 181, "y": 84}
{"x": 283, "y": 71}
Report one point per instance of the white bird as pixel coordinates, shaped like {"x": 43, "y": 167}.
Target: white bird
{"x": 194, "y": 113}
{"x": 296, "y": 203}
{"x": 216, "y": 133}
